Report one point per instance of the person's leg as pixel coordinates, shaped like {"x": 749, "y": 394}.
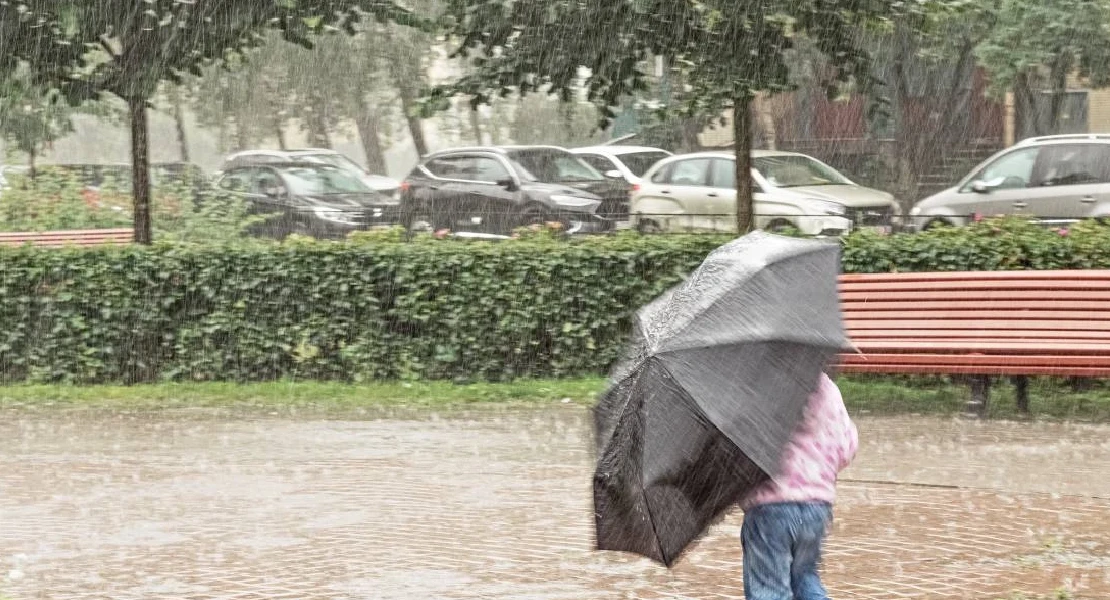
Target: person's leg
{"x": 765, "y": 537}
{"x": 811, "y": 525}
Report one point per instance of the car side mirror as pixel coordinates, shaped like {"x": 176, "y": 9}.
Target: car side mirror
{"x": 275, "y": 191}
{"x": 507, "y": 183}
{"x": 980, "y": 187}
{"x": 614, "y": 174}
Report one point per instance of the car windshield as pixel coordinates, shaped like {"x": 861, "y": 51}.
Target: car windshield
{"x": 640, "y": 162}
{"x": 796, "y": 171}
{"x": 553, "y": 166}
{"x": 337, "y": 160}
{"x": 323, "y": 181}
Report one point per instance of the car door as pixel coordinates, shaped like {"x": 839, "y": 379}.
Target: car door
{"x": 270, "y": 198}
{"x": 240, "y": 183}
{"x": 1002, "y": 187}
{"x": 1071, "y": 180}
{"x": 721, "y": 201}
{"x": 447, "y": 197}
{"x": 492, "y": 204}
{"x": 689, "y": 183}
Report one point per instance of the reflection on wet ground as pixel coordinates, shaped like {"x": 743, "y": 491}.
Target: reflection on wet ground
{"x": 496, "y": 505}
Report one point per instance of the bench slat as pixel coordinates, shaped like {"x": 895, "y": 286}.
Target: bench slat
{"x": 863, "y": 324}
{"x": 933, "y": 369}
{"x": 974, "y": 295}
{"x": 1071, "y": 305}
{"x": 979, "y": 284}
{"x": 949, "y": 276}
{"x": 1044, "y": 360}
{"x": 1001, "y": 335}
{"x": 57, "y": 239}
{"x": 972, "y": 315}
{"x": 953, "y": 346}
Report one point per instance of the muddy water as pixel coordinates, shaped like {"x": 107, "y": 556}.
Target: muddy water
{"x": 496, "y": 505}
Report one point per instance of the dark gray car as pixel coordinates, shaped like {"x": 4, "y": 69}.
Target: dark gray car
{"x": 312, "y": 199}
{"x": 497, "y": 189}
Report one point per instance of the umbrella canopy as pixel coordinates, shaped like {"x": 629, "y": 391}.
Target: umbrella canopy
{"x": 717, "y": 378}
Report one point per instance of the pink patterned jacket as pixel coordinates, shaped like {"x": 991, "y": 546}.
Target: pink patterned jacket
{"x": 824, "y": 443}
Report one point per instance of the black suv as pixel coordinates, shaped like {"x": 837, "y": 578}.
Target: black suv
{"x": 308, "y": 198}
{"x": 495, "y": 190}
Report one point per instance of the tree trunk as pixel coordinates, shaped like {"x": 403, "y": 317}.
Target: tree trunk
{"x": 367, "y": 124}
{"x": 476, "y": 125}
{"x": 1028, "y": 120}
{"x": 742, "y": 145}
{"x": 1060, "y": 68}
{"x": 318, "y": 134}
{"x": 242, "y": 135}
{"x": 408, "y": 106}
{"x": 689, "y": 129}
{"x": 905, "y": 137}
{"x": 766, "y": 114}
{"x": 179, "y": 124}
{"x": 140, "y": 168}
{"x": 32, "y": 170}
{"x": 279, "y": 132}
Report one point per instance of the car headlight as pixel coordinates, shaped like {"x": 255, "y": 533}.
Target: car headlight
{"x": 572, "y": 201}
{"x": 335, "y": 215}
{"x": 829, "y": 208}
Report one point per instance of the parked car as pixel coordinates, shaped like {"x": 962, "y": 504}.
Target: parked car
{"x": 497, "y": 189}
{"x": 790, "y": 190}
{"x": 379, "y": 183}
{"x": 625, "y": 162}
{"x": 309, "y": 198}
{"x": 1051, "y": 179}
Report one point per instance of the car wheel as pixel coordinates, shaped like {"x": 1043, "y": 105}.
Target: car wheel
{"x": 531, "y": 215}
{"x": 780, "y": 226}
{"x": 423, "y": 221}
{"x": 648, "y": 226}
{"x": 936, "y": 224}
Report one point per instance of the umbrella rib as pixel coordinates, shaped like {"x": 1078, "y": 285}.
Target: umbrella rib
{"x": 643, "y": 491}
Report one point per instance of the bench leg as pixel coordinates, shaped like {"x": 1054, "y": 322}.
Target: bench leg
{"x": 1021, "y": 393}
{"x": 980, "y": 394}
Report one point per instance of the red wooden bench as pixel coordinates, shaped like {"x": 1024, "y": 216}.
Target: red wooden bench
{"x": 58, "y": 239}
{"x": 980, "y": 325}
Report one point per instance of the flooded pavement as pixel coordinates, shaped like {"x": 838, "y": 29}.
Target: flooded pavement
{"x": 496, "y": 505}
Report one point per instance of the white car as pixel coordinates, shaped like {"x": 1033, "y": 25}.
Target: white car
{"x": 630, "y": 162}
{"x": 378, "y": 183}
{"x": 698, "y": 192}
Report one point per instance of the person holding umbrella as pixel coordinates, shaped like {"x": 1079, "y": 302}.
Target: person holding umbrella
{"x": 722, "y": 400}
{"x": 786, "y": 518}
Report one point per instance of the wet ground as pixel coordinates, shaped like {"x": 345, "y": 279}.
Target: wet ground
{"x": 496, "y": 505}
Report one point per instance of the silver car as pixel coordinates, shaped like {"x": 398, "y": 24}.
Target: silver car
{"x": 1053, "y": 180}
{"x": 378, "y": 183}
{"x": 698, "y": 192}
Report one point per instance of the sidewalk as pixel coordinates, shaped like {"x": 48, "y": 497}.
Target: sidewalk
{"x": 496, "y": 505}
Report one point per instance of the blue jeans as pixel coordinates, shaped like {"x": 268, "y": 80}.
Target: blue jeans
{"x": 782, "y": 548}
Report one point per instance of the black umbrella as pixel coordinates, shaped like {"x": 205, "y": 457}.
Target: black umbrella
{"x": 718, "y": 376}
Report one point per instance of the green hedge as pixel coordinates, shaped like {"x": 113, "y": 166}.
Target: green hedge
{"x": 374, "y": 308}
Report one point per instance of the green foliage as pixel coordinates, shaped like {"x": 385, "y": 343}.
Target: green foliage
{"x": 57, "y": 200}
{"x": 378, "y": 309}
{"x": 31, "y": 117}
{"x": 1004, "y": 244}
{"x": 1052, "y": 35}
